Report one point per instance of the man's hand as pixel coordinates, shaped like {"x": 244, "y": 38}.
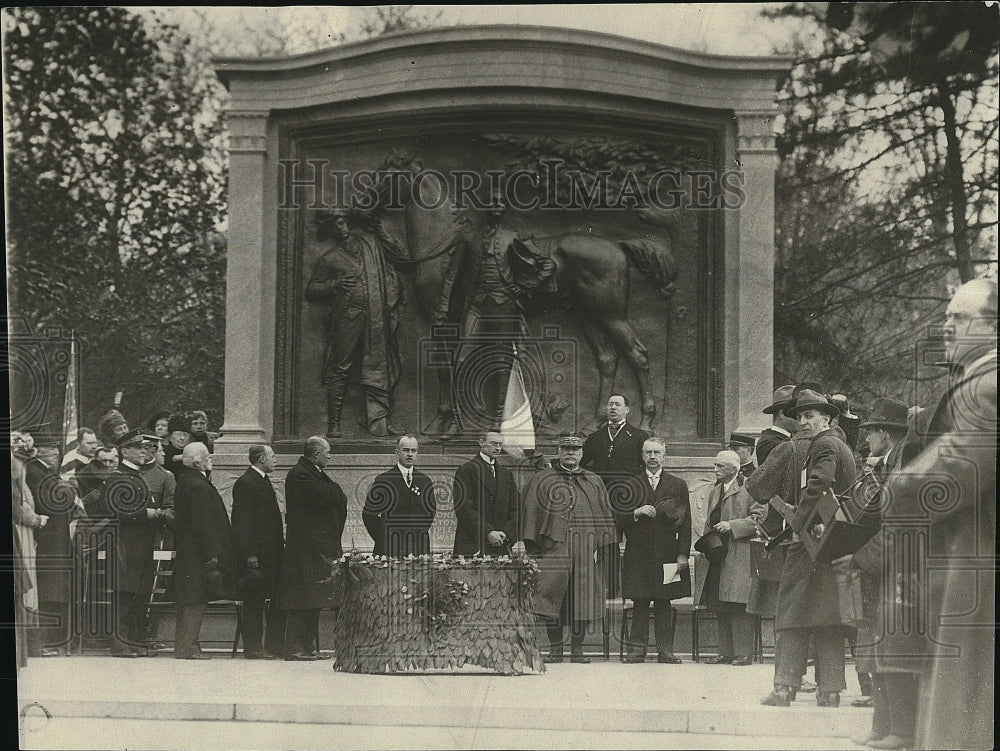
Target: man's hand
{"x": 646, "y": 510}
{"x": 518, "y": 550}
{"x": 723, "y": 528}
{"x": 843, "y": 564}
{"x": 42, "y": 520}
{"x": 496, "y": 538}
{"x": 682, "y": 562}
{"x": 153, "y": 513}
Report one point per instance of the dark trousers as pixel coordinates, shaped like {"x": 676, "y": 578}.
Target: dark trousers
{"x": 189, "y": 619}
{"x": 792, "y": 652}
{"x": 131, "y": 620}
{"x": 300, "y": 631}
{"x": 578, "y": 631}
{"x": 53, "y": 619}
{"x": 662, "y": 627}
{"x": 895, "y": 701}
{"x": 255, "y": 611}
{"x": 736, "y": 634}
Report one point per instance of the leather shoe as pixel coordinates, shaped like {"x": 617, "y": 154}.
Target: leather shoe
{"x": 195, "y": 656}
{"x": 719, "y": 660}
{"x": 780, "y": 697}
{"x": 741, "y": 661}
{"x": 302, "y": 657}
{"x": 579, "y": 659}
{"x": 827, "y": 699}
{"x": 807, "y": 687}
{"x": 259, "y": 656}
{"x": 323, "y": 655}
{"x": 552, "y": 659}
{"x": 864, "y": 701}
{"x": 633, "y": 659}
{"x": 668, "y": 659}
{"x": 891, "y": 742}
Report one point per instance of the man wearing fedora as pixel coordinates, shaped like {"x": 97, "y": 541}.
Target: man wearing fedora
{"x": 808, "y": 597}
{"x": 782, "y": 426}
{"x": 893, "y": 692}
{"x": 951, "y": 488}
{"x": 568, "y": 525}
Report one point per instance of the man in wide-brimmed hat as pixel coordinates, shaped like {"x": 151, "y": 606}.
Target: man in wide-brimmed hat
{"x": 894, "y": 692}
{"x": 782, "y": 426}
{"x": 808, "y": 601}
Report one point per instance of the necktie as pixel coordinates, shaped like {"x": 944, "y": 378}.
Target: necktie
{"x": 409, "y": 481}
{"x": 653, "y": 480}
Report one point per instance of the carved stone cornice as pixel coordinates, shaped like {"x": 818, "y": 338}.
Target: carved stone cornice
{"x": 247, "y": 131}
{"x": 755, "y": 132}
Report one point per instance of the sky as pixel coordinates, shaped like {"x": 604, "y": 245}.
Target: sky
{"x": 723, "y": 28}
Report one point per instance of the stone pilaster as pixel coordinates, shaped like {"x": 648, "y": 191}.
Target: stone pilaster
{"x": 757, "y": 157}
{"x": 248, "y": 367}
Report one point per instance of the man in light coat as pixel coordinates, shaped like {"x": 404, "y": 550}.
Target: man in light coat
{"x": 727, "y": 585}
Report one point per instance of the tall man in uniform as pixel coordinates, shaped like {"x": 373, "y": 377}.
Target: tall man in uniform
{"x": 260, "y": 541}
{"x": 743, "y": 445}
{"x": 315, "y": 512}
{"x": 400, "y": 506}
{"x": 568, "y": 526}
{"x": 126, "y": 496}
{"x": 486, "y": 501}
{"x": 808, "y": 601}
{"x": 955, "y": 658}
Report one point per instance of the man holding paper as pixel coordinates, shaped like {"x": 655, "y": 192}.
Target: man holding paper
{"x": 655, "y": 516}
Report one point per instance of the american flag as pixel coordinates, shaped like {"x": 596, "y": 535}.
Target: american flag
{"x": 71, "y": 423}
{"x": 518, "y": 428}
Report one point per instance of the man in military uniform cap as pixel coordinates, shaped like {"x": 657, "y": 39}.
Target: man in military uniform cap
{"x": 743, "y": 445}
{"x": 126, "y": 498}
{"x": 568, "y": 526}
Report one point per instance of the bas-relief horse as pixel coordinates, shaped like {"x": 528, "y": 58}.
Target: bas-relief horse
{"x": 592, "y": 277}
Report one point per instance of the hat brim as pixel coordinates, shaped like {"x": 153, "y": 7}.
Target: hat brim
{"x": 830, "y": 409}
{"x": 884, "y": 424}
{"x": 777, "y": 407}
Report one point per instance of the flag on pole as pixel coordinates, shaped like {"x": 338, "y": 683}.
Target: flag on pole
{"x": 71, "y": 424}
{"x": 518, "y": 429}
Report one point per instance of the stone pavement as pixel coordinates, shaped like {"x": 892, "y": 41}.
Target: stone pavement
{"x": 161, "y": 703}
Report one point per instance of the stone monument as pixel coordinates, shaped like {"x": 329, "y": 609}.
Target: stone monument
{"x": 596, "y": 211}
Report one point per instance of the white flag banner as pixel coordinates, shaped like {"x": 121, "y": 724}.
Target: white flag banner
{"x": 518, "y": 428}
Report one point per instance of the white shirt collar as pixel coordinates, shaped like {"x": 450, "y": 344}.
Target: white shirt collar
{"x": 729, "y": 485}
{"x": 778, "y": 429}
{"x": 658, "y": 473}
{"x": 487, "y": 459}
{"x": 404, "y": 470}
{"x": 258, "y": 470}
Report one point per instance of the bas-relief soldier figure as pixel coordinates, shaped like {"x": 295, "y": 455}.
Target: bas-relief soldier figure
{"x": 356, "y": 280}
{"x": 491, "y": 274}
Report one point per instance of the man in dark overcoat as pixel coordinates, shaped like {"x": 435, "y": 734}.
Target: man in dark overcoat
{"x": 655, "y": 517}
{"x": 205, "y": 569}
{"x": 260, "y": 542}
{"x": 400, "y": 506}
{"x": 127, "y": 497}
{"x": 808, "y": 596}
{"x": 487, "y": 502}
{"x": 569, "y": 527}
{"x": 315, "y": 513}
{"x": 614, "y": 453}
{"x": 950, "y": 489}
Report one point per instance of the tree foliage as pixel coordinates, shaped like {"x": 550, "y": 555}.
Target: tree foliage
{"x": 887, "y": 187}
{"x": 115, "y": 177}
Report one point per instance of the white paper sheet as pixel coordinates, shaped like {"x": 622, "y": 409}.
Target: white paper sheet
{"x": 671, "y": 573}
